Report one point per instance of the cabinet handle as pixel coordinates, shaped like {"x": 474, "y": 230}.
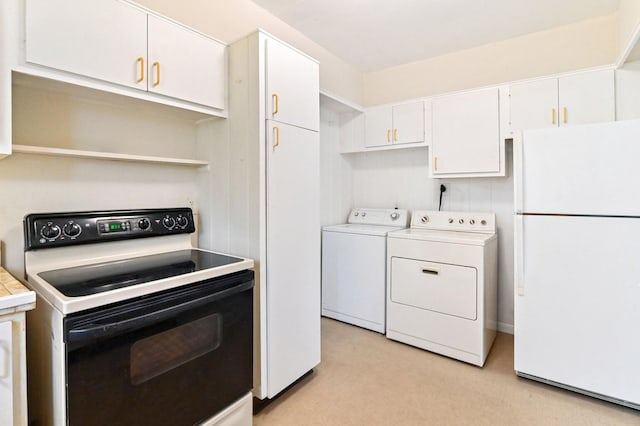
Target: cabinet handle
{"x": 395, "y": 135}
{"x": 274, "y": 100}
{"x": 553, "y": 116}
{"x": 276, "y": 137}
{"x": 5, "y": 354}
{"x": 435, "y": 164}
{"x": 156, "y": 67}
{"x": 564, "y": 114}
{"x": 389, "y": 135}
{"x": 430, "y": 271}
{"x": 141, "y": 73}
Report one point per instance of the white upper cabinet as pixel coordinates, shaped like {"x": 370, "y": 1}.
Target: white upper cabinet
{"x": 466, "y": 135}
{"x": 184, "y": 64}
{"x": 395, "y": 124}
{"x": 293, "y": 86}
{"x": 76, "y": 36}
{"x": 581, "y": 98}
{"x": 119, "y": 43}
{"x": 627, "y": 89}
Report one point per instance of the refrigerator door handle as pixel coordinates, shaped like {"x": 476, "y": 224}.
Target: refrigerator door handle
{"x": 518, "y": 184}
{"x": 519, "y": 254}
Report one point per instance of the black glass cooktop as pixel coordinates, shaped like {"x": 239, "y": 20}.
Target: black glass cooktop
{"x": 100, "y": 277}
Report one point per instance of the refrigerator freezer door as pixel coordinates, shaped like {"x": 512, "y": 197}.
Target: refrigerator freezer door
{"x": 592, "y": 169}
{"x": 577, "y": 314}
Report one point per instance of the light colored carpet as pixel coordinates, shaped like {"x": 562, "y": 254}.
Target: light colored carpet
{"x": 366, "y": 379}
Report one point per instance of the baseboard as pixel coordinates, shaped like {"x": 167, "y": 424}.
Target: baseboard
{"x": 504, "y": 327}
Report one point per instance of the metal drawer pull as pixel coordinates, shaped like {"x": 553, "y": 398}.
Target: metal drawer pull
{"x": 430, "y": 271}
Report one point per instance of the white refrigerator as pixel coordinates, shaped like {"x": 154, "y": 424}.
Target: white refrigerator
{"x": 577, "y": 258}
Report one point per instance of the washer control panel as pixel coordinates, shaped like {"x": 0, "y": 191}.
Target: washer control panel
{"x": 389, "y": 217}
{"x": 454, "y": 221}
{"x": 44, "y": 230}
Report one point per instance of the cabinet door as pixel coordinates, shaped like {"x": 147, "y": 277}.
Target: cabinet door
{"x": 186, "y": 65}
{"x": 293, "y": 86}
{"x": 534, "y": 104}
{"x": 378, "y": 126}
{"x": 408, "y": 123}
{"x": 587, "y": 98}
{"x": 293, "y": 254}
{"x": 102, "y": 39}
{"x": 6, "y": 375}
{"x": 466, "y": 133}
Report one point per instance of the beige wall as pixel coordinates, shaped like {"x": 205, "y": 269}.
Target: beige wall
{"x": 230, "y": 20}
{"x": 582, "y": 45}
{"x": 628, "y": 26}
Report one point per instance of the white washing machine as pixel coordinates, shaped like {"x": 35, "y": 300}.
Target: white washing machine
{"x": 442, "y": 293}
{"x": 354, "y": 266}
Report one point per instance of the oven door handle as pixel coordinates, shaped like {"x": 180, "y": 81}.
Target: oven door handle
{"x": 94, "y": 330}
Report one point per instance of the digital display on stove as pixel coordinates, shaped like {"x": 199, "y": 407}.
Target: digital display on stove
{"x": 115, "y": 226}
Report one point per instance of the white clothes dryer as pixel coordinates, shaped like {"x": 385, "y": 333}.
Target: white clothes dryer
{"x": 442, "y": 293}
{"x": 354, "y": 266}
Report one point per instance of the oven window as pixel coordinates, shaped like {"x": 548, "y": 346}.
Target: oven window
{"x": 163, "y": 352}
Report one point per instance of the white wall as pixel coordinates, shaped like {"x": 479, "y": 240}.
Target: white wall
{"x": 56, "y": 116}
{"x": 582, "y": 45}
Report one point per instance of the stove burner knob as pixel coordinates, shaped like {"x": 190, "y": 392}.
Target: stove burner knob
{"x": 483, "y": 222}
{"x": 394, "y": 215}
{"x": 182, "y": 221}
{"x": 169, "y": 222}
{"x": 71, "y": 229}
{"x": 460, "y": 221}
{"x": 424, "y": 219}
{"x": 364, "y": 214}
{"x": 472, "y": 222}
{"x": 450, "y": 220}
{"x": 50, "y": 231}
{"x": 144, "y": 224}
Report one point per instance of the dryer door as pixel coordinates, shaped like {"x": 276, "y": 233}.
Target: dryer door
{"x": 439, "y": 287}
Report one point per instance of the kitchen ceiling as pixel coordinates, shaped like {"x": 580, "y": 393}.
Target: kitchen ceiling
{"x": 377, "y": 34}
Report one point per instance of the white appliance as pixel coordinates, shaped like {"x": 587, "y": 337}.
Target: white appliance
{"x": 129, "y": 314}
{"x": 442, "y": 293}
{"x": 354, "y": 266}
{"x": 577, "y": 259}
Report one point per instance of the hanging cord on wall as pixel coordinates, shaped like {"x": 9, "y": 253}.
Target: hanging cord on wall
{"x": 443, "y": 189}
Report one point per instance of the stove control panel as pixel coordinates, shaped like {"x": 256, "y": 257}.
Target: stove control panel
{"x": 454, "y": 221}
{"x": 43, "y": 230}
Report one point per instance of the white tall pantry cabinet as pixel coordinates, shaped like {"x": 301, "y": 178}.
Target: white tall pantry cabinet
{"x": 274, "y": 178}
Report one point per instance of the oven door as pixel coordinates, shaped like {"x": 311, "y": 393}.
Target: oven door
{"x": 173, "y": 358}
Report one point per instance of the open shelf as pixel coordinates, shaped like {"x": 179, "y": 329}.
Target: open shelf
{"x": 110, "y": 156}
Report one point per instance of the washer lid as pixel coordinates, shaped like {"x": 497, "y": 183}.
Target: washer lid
{"x": 356, "y": 228}
{"x": 453, "y": 237}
